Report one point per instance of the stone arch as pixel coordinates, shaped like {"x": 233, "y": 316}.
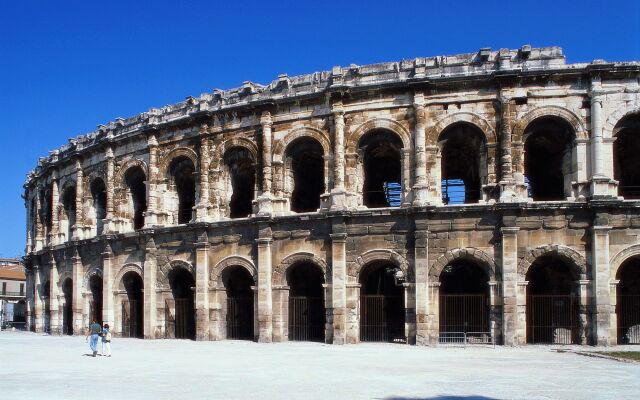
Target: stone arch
{"x": 314, "y": 133}
{"x": 388, "y": 124}
{"x": 93, "y": 271}
{"x": 165, "y": 269}
{"x": 484, "y": 260}
{"x": 175, "y": 153}
{"x": 622, "y": 256}
{"x": 124, "y": 270}
{"x": 240, "y": 142}
{"x": 468, "y": 117}
{"x": 279, "y": 275}
{"x": 64, "y": 275}
{"x": 355, "y": 267}
{"x": 576, "y": 261}
{"x": 215, "y": 276}
{"x": 576, "y": 123}
{"x": 119, "y": 176}
{"x": 66, "y": 183}
{"x": 617, "y": 116}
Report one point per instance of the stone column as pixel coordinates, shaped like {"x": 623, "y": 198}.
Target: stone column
{"x": 265, "y": 206}
{"x": 509, "y": 259}
{"x": 77, "y": 306}
{"x": 338, "y": 193}
{"x": 433, "y": 309}
{"x": 420, "y": 194}
{"x": 601, "y": 184}
{"x": 521, "y": 312}
{"x": 30, "y": 295}
{"x": 38, "y": 314}
{"x": 76, "y": 230}
{"x": 265, "y": 303}
{"x": 435, "y": 175}
{"x": 110, "y": 188}
{"x": 202, "y": 209}
{"x": 508, "y": 191}
{"x": 406, "y": 177}
{"x": 410, "y": 311}
{"x": 202, "y": 287}
{"x": 55, "y": 197}
{"x": 151, "y": 217}
{"x": 338, "y": 287}
{"x": 600, "y": 276}
{"x": 54, "y": 304}
{"x": 586, "y": 332}
{"x": 39, "y": 239}
{"x": 421, "y": 254}
{"x": 108, "y": 311}
{"x": 150, "y": 278}
{"x": 613, "y": 316}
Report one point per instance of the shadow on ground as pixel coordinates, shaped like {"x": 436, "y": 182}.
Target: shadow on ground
{"x": 444, "y": 397}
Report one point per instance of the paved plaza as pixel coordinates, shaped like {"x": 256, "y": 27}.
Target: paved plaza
{"x": 36, "y": 366}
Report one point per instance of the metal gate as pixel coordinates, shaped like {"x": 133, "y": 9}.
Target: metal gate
{"x": 466, "y": 314}
{"x": 381, "y": 319}
{"x": 306, "y": 318}
{"x": 184, "y": 319}
{"x": 628, "y": 310}
{"x": 131, "y": 326}
{"x": 169, "y": 320}
{"x": 67, "y": 324}
{"x": 552, "y": 319}
{"x": 240, "y": 317}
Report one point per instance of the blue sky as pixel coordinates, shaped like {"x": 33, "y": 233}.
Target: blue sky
{"x": 67, "y": 66}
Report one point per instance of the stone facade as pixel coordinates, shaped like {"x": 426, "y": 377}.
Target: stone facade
{"x": 155, "y": 210}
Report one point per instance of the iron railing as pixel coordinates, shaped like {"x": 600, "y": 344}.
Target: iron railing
{"x": 463, "y": 313}
{"x": 552, "y": 319}
{"x": 240, "y": 318}
{"x": 306, "y": 318}
{"x": 466, "y": 338}
{"x": 382, "y": 319}
{"x": 628, "y": 310}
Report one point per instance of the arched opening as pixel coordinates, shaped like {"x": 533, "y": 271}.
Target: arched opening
{"x": 19, "y": 311}
{"x": 135, "y": 180}
{"x": 183, "y": 184}
{"x": 304, "y": 171}
{"x": 306, "y": 302}
{"x": 46, "y": 305}
{"x": 382, "y": 310}
{"x": 464, "y": 302}
{"x": 626, "y": 164}
{"x": 552, "y": 302}
{"x": 240, "y": 174}
{"x": 99, "y": 200}
{"x": 68, "y": 218}
{"x": 463, "y": 163}
{"x": 380, "y": 152}
{"x": 133, "y": 306}
{"x": 95, "y": 302}
{"x": 237, "y": 283}
{"x": 628, "y": 302}
{"x": 181, "y": 322}
{"x": 46, "y": 209}
{"x": 33, "y": 218}
{"x": 67, "y": 308}
{"x": 548, "y": 158}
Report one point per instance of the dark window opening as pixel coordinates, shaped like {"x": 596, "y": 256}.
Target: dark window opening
{"x": 182, "y": 173}
{"x": 182, "y": 285}
{"x": 95, "y": 304}
{"x": 135, "y": 181}
{"x": 22, "y": 289}
{"x": 242, "y": 174}
{"x": 464, "y": 300}
{"x": 99, "y": 196}
{"x": 69, "y": 207}
{"x": 552, "y": 304}
{"x": 382, "y": 310}
{"x": 628, "y": 302}
{"x": 307, "y": 164}
{"x": 306, "y": 303}
{"x": 547, "y": 158}
{"x": 67, "y": 309}
{"x": 237, "y": 282}
{"x": 462, "y": 146}
{"x": 381, "y": 151}
{"x": 626, "y": 166}
{"x": 46, "y": 297}
{"x": 133, "y": 307}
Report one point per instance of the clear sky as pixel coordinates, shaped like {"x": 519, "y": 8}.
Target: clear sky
{"x": 67, "y": 66}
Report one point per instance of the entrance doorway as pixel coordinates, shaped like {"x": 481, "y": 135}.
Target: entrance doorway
{"x": 132, "y": 308}
{"x": 306, "y": 302}
{"x": 237, "y": 282}
{"x": 382, "y": 313}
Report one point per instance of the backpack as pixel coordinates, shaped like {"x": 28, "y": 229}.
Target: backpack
{"x": 108, "y": 336}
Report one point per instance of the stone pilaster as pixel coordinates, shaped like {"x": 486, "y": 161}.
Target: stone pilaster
{"x": 30, "y": 297}
{"x": 338, "y": 193}
{"x": 265, "y": 303}
{"x": 433, "y": 310}
{"x": 55, "y": 321}
{"x": 265, "y": 206}
{"x": 509, "y": 258}
{"x": 77, "y": 228}
{"x": 110, "y": 189}
{"x": 203, "y": 207}
{"x": 108, "y": 308}
{"x": 421, "y": 254}
{"x": 521, "y": 312}
{"x": 38, "y": 314}
{"x": 55, "y": 198}
{"x": 338, "y": 287}
{"x": 406, "y": 177}
{"x": 600, "y": 276}
{"x": 613, "y": 316}
{"x": 150, "y": 278}
{"x": 585, "y": 323}
{"x": 152, "y": 215}
{"x": 601, "y": 184}
{"x": 420, "y": 193}
{"x": 202, "y": 287}
{"x": 38, "y": 221}
{"x": 77, "y": 274}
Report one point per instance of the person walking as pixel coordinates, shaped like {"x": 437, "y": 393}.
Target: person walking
{"x": 93, "y": 332}
{"x": 106, "y": 341}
